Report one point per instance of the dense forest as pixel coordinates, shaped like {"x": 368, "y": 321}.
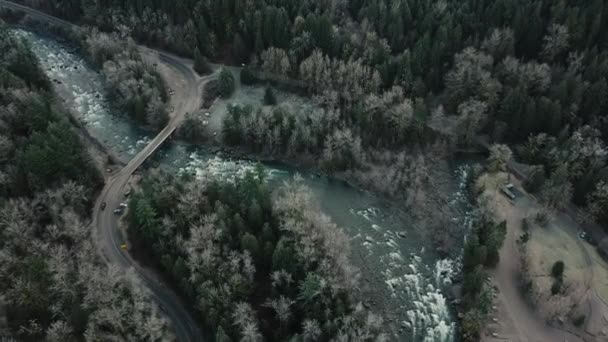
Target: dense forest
{"x": 396, "y": 84}
{"x": 255, "y": 265}
{"x": 54, "y": 286}
{"x": 532, "y": 74}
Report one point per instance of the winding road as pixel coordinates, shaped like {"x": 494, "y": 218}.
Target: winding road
{"x": 109, "y": 237}
{"x": 188, "y": 85}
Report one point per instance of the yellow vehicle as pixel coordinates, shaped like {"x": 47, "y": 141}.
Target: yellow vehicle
{"x": 123, "y": 246}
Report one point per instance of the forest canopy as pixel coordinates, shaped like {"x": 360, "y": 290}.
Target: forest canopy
{"x": 254, "y": 265}
{"x": 53, "y": 285}
{"x": 386, "y": 70}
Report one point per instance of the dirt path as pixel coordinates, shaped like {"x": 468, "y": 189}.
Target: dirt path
{"x": 527, "y": 326}
{"x": 517, "y": 320}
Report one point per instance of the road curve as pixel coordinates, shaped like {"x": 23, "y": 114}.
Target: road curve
{"x": 108, "y": 235}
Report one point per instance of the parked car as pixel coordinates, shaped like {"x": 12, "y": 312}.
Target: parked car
{"x": 118, "y": 211}
{"x": 507, "y": 190}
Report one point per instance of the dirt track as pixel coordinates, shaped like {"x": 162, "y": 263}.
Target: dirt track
{"x": 517, "y": 321}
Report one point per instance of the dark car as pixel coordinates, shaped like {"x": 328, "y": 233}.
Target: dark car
{"x": 103, "y": 205}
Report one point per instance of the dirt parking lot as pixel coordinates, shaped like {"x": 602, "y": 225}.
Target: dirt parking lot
{"x": 514, "y": 319}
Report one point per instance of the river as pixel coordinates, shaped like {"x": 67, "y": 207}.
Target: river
{"x": 402, "y": 277}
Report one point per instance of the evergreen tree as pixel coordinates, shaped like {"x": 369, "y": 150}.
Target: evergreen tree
{"x": 204, "y": 38}
{"x": 250, "y": 243}
{"x": 226, "y": 83}
{"x": 247, "y": 76}
{"x": 221, "y": 336}
{"x": 201, "y": 66}
{"x": 239, "y": 49}
{"x": 269, "y": 97}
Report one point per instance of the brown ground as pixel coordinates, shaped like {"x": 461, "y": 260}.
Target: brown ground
{"x": 514, "y": 319}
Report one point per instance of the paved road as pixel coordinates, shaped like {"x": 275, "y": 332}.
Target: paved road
{"x": 108, "y": 237}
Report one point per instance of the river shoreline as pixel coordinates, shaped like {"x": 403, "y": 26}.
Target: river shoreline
{"x": 388, "y": 249}
{"x": 60, "y": 35}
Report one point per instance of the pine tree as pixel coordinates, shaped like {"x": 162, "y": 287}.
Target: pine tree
{"x": 226, "y": 83}
{"x": 395, "y": 27}
{"x": 269, "y": 97}
{"x": 201, "y": 66}
{"x": 221, "y": 336}
{"x": 239, "y": 49}
{"x": 204, "y": 38}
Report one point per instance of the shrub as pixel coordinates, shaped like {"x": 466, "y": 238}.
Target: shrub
{"x": 269, "y": 98}
{"x": 493, "y": 236}
{"x": 558, "y": 270}
{"x": 556, "y": 287}
{"x": 525, "y": 226}
{"x": 542, "y": 218}
{"x": 472, "y": 326}
{"x": 527, "y": 287}
{"x": 524, "y": 238}
{"x": 579, "y": 320}
{"x": 474, "y": 281}
{"x": 211, "y": 92}
{"x": 247, "y": 76}
{"x": 536, "y": 179}
{"x": 226, "y": 85}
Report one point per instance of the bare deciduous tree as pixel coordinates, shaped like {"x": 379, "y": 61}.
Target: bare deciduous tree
{"x": 472, "y": 115}
{"x": 276, "y": 61}
{"x": 500, "y": 43}
{"x": 500, "y": 155}
{"x": 471, "y": 77}
{"x": 556, "y": 41}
